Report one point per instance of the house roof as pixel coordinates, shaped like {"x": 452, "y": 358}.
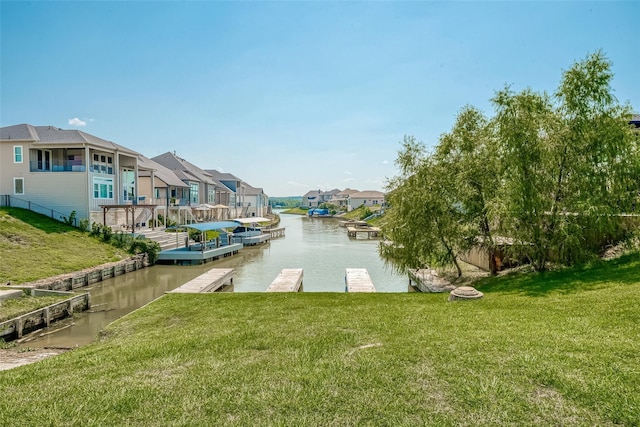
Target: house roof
{"x": 52, "y": 136}
{"x": 347, "y": 192}
{"x": 191, "y": 171}
{"x": 164, "y": 174}
{"x": 369, "y": 194}
{"x": 252, "y": 191}
{"x": 220, "y": 178}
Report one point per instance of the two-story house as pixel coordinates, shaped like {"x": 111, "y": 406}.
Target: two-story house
{"x": 66, "y": 170}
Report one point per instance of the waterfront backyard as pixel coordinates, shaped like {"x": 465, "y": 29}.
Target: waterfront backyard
{"x": 558, "y": 348}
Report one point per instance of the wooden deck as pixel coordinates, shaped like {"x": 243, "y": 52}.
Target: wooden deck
{"x": 358, "y": 280}
{"x": 369, "y": 231}
{"x": 210, "y": 281}
{"x": 289, "y": 280}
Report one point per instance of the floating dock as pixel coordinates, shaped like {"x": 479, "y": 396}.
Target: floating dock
{"x": 210, "y": 281}
{"x": 360, "y": 227}
{"x": 289, "y": 280}
{"x": 358, "y": 280}
{"x": 195, "y": 254}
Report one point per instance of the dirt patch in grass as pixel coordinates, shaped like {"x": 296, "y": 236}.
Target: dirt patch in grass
{"x": 12, "y": 358}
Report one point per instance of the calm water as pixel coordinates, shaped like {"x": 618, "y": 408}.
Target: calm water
{"x": 319, "y": 246}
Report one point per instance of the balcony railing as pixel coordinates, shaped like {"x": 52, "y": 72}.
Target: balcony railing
{"x": 42, "y": 166}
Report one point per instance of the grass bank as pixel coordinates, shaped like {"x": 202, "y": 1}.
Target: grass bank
{"x": 11, "y": 308}
{"x": 34, "y": 247}
{"x": 551, "y": 349}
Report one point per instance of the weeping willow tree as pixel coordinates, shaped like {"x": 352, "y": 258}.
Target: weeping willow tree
{"x": 549, "y": 172}
{"x": 425, "y": 223}
{"x": 569, "y": 164}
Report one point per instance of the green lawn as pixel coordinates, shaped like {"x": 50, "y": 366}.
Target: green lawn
{"x": 33, "y": 246}
{"x": 551, "y": 349}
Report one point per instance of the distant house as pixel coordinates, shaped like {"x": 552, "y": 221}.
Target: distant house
{"x": 314, "y": 198}
{"x": 256, "y": 202}
{"x": 157, "y": 183}
{"x": 67, "y": 170}
{"x": 365, "y": 198}
{"x": 341, "y": 199}
{"x": 635, "y": 120}
{"x": 230, "y": 191}
{"x": 202, "y": 188}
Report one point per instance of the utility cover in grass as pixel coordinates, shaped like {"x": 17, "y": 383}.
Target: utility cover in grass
{"x": 464, "y": 293}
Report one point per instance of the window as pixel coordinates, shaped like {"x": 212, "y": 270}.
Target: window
{"x": 17, "y": 154}
{"x": 194, "y": 193}
{"x": 18, "y": 186}
{"x": 128, "y": 184}
{"x": 102, "y": 188}
{"x": 102, "y": 163}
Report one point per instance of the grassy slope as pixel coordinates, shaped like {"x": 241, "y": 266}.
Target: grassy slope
{"x": 33, "y": 247}
{"x": 553, "y": 349}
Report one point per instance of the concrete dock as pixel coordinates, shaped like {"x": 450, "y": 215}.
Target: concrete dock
{"x": 210, "y": 281}
{"x": 289, "y": 280}
{"x": 358, "y": 280}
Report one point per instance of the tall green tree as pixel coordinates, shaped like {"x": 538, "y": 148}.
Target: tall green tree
{"x": 468, "y": 153}
{"x": 424, "y": 223}
{"x": 567, "y": 167}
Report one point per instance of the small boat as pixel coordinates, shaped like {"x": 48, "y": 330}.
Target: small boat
{"x": 319, "y": 213}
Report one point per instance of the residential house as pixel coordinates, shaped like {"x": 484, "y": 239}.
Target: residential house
{"x": 256, "y": 202}
{"x": 156, "y": 184}
{"x": 65, "y": 171}
{"x": 230, "y": 191}
{"x": 202, "y": 188}
{"x": 315, "y": 198}
{"x": 341, "y": 199}
{"x": 366, "y": 198}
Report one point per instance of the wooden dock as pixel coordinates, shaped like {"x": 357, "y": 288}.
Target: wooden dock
{"x": 289, "y": 280}
{"x": 210, "y": 281}
{"x": 354, "y": 230}
{"x": 358, "y": 280}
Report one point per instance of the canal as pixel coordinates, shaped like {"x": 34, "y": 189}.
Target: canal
{"x": 320, "y": 246}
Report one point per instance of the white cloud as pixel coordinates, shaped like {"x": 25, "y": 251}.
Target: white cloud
{"x": 348, "y": 180}
{"x": 77, "y": 122}
{"x": 348, "y": 172}
{"x": 385, "y": 162}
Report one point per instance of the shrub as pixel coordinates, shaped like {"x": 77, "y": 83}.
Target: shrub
{"x": 143, "y": 245}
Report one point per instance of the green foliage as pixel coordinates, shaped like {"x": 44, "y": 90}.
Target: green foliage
{"x": 71, "y": 220}
{"x": 366, "y": 212}
{"x": 195, "y": 235}
{"x": 553, "y": 174}
{"x": 84, "y": 224}
{"x": 142, "y": 245}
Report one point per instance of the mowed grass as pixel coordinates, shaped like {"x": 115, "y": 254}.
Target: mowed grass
{"x": 552, "y": 349}
{"x": 33, "y": 246}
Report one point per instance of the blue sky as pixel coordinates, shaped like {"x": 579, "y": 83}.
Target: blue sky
{"x": 292, "y": 96}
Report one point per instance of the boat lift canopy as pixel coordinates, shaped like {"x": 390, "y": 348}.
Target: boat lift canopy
{"x": 206, "y": 226}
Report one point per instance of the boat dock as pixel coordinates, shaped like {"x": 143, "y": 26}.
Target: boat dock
{"x": 210, "y": 281}
{"x": 360, "y": 227}
{"x": 289, "y": 280}
{"x": 358, "y": 280}
{"x": 274, "y": 232}
{"x": 197, "y": 254}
